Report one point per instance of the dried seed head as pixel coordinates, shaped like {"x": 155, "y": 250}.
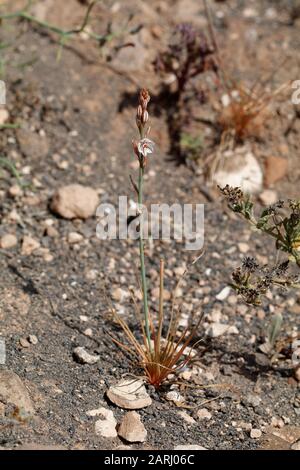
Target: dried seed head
{"x": 250, "y": 264}
{"x": 233, "y": 195}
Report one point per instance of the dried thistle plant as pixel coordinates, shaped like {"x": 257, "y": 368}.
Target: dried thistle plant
{"x": 163, "y": 347}
{"x": 281, "y": 220}
{"x": 253, "y": 281}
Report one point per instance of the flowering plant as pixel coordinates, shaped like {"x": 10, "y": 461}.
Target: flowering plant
{"x": 158, "y": 355}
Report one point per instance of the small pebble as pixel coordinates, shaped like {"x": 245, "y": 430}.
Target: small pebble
{"x": 33, "y": 339}
{"x": 255, "y": 433}
{"x": 243, "y": 247}
{"x": 8, "y": 241}
{"x": 74, "y": 237}
{"x": 224, "y": 293}
{"x": 15, "y": 191}
{"x": 203, "y": 413}
{"x": 83, "y": 357}
{"x": 29, "y": 245}
{"x": 131, "y": 428}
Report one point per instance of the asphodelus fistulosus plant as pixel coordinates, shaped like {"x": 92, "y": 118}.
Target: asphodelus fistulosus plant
{"x": 164, "y": 348}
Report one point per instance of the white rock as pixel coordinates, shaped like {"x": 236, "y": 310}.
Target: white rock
{"x": 29, "y": 245}
{"x": 179, "y": 271}
{"x": 91, "y": 275}
{"x": 189, "y": 447}
{"x": 226, "y": 100}
{"x": 15, "y": 191}
{"x": 203, "y": 413}
{"x": 232, "y": 330}
{"x": 187, "y": 418}
{"x": 243, "y": 247}
{"x": 242, "y": 170}
{"x": 224, "y": 293}
{"x": 97, "y": 412}
{"x": 88, "y": 332}
{"x": 174, "y": 396}
{"x": 186, "y": 375}
{"x": 296, "y": 446}
{"x": 33, "y": 339}
{"x": 74, "y": 237}
{"x": 106, "y": 427}
{"x": 83, "y": 357}
{"x": 255, "y": 433}
{"x": 119, "y": 295}
{"x": 75, "y": 201}
{"x": 129, "y": 394}
{"x": 131, "y": 428}
{"x": 250, "y": 12}
{"x": 8, "y": 241}
{"x": 218, "y": 329}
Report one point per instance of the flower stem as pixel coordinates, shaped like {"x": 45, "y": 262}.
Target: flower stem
{"x": 142, "y": 257}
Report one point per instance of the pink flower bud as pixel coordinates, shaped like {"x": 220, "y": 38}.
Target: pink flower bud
{"x": 139, "y": 112}
{"x": 145, "y": 117}
{"x": 144, "y": 98}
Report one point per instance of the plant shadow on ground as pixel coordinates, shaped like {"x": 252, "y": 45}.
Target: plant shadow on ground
{"x": 250, "y": 369}
{"x": 28, "y": 286}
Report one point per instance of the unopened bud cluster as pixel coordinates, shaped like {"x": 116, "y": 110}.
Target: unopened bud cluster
{"x": 142, "y": 115}
{"x": 144, "y": 146}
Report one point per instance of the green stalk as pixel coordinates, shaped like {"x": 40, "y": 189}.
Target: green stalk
{"x": 142, "y": 258}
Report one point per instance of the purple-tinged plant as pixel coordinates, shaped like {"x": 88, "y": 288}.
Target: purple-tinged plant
{"x": 187, "y": 56}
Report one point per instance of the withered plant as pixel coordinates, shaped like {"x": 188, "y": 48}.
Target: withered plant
{"x": 248, "y": 110}
{"x": 241, "y": 111}
{"x": 281, "y": 222}
{"x": 163, "y": 348}
{"x": 253, "y": 281}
